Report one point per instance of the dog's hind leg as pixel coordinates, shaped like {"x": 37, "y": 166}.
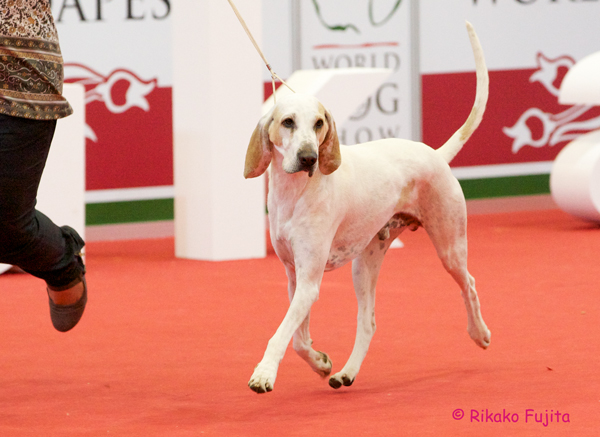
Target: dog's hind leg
{"x": 476, "y": 327}
{"x": 302, "y": 343}
{"x": 365, "y": 271}
{"x": 448, "y": 232}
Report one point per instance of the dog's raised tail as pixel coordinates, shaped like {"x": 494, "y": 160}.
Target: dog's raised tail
{"x": 460, "y": 137}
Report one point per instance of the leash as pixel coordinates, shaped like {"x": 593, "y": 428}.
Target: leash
{"x": 273, "y": 74}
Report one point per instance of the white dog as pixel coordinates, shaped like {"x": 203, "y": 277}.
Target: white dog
{"x": 330, "y": 204}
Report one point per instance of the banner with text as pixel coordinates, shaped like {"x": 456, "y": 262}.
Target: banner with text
{"x": 120, "y": 51}
{"x": 363, "y": 33}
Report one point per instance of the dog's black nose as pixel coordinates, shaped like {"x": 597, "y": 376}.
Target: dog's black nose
{"x": 307, "y": 158}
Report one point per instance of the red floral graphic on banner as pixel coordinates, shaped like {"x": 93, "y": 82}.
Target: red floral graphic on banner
{"x": 129, "y": 140}
{"x": 557, "y": 128}
{"x": 524, "y": 122}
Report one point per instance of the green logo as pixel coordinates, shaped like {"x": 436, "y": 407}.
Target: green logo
{"x": 344, "y": 27}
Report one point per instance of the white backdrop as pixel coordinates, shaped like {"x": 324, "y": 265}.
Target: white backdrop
{"x": 514, "y": 32}
{"x": 330, "y": 34}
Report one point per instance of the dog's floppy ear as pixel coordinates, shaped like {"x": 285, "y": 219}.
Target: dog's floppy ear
{"x": 258, "y": 156}
{"x": 330, "y": 157}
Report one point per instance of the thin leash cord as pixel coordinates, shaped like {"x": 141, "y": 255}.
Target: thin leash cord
{"x": 273, "y": 74}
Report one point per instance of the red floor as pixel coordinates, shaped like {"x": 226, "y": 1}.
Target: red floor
{"x": 167, "y": 346}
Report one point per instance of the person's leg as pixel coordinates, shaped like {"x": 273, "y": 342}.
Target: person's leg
{"x": 29, "y": 239}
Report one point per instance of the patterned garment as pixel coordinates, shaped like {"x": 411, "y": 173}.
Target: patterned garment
{"x": 31, "y": 64}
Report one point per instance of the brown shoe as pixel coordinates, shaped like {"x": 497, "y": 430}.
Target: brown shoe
{"x": 65, "y": 317}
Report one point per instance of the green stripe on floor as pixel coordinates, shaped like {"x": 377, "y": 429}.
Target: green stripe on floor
{"x": 506, "y": 186}
{"x": 162, "y": 209}
{"x": 129, "y": 212}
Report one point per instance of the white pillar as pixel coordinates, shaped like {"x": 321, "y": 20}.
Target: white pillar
{"x": 217, "y": 96}
{"x": 61, "y": 195}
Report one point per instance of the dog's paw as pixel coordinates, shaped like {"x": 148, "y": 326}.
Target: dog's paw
{"x": 262, "y": 381}
{"x": 321, "y": 364}
{"x": 339, "y": 379}
{"x": 482, "y": 336}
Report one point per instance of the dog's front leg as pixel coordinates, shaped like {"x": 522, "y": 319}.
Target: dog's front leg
{"x": 306, "y": 293}
{"x": 317, "y": 360}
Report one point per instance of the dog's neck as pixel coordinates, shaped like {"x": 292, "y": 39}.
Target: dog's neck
{"x": 288, "y": 185}
{"x": 285, "y": 192}
{"x": 285, "y": 189}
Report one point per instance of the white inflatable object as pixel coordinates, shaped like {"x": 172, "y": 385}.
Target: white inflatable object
{"x": 575, "y": 177}
{"x": 581, "y": 84}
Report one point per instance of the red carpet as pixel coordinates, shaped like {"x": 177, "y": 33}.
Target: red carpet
{"x": 167, "y": 346}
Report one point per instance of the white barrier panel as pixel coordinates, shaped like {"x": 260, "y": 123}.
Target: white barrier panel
{"x": 61, "y": 195}
{"x": 340, "y": 90}
{"x": 357, "y": 34}
{"x": 575, "y": 177}
{"x": 217, "y": 95}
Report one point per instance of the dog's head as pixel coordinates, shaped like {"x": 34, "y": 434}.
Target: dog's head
{"x": 302, "y": 131}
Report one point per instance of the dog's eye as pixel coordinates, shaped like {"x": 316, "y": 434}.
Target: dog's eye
{"x": 288, "y": 122}
{"x": 319, "y": 124}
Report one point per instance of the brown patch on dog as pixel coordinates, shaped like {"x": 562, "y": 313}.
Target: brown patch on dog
{"x": 330, "y": 157}
{"x": 398, "y": 220}
{"x": 384, "y": 233}
{"x": 258, "y": 155}
{"x": 405, "y": 195}
{"x": 334, "y": 383}
{"x": 410, "y": 221}
{"x": 324, "y": 357}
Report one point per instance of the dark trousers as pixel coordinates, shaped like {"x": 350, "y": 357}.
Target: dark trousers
{"x": 29, "y": 239}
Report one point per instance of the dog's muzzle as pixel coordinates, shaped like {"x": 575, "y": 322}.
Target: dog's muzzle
{"x": 306, "y": 160}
